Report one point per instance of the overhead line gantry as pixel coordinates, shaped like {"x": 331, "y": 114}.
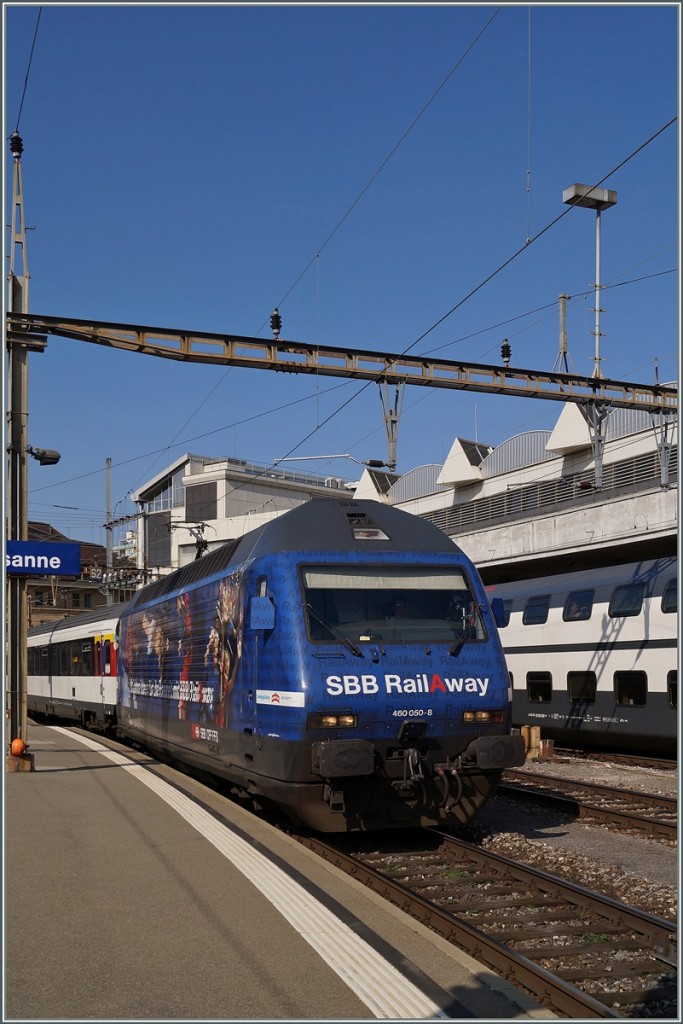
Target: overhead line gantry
{"x": 595, "y": 394}
{"x": 361, "y": 364}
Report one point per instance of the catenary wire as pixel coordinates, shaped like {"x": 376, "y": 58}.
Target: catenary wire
{"x": 28, "y": 69}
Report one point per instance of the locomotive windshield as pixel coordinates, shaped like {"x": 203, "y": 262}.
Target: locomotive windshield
{"x": 390, "y": 605}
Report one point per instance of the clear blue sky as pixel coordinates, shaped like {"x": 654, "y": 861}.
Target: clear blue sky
{"x": 184, "y": 165}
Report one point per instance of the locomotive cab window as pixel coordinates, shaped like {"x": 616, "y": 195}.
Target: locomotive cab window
{"x": 670, "y": 597}
{"x": 390, "y": 605}
{"x": 578, "y": 606}
{"x": 536, "y": 610}
{"x": 582, "y": 687}
{"x": 626, "y": 600}
{"x": 630, "y": 688}
{"x": 539, "y": 687}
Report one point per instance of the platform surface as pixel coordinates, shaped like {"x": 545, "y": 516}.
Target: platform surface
{"x": 132, "y": 892}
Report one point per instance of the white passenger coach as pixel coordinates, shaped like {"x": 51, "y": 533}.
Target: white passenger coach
{"x": 593, "y": 655}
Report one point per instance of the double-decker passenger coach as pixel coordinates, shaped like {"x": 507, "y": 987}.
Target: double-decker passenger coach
{"x": 594, "y": 655}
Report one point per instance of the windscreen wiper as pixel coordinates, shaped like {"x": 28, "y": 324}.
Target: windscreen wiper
{"x": 463, "y": 636}
{"x": 337, "y": 634}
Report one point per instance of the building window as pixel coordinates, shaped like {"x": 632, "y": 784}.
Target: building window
{"x": 536, "y": 610}
{"x": 201, "y": 502}
{"x": 582, "y": 687}
{"x": 75, "y": 600}
{"x": 539, "y": 687}
{"x": 159, "y": 539}
{"x": 630, "y": 688}
{"x": 626, "y": 600}
{"x": 578, "y": 606}
{"x": 170, "y": 494}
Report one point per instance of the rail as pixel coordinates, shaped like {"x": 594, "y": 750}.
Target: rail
{"x": 588, "y": 938}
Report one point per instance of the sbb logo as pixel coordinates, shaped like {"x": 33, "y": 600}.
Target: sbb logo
{"x": 349, "y": 685}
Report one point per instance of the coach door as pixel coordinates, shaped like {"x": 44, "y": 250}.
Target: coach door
{"x": 105, "y": 667}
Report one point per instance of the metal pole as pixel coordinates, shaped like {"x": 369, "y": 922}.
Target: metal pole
{"x": 110, "y": 551}
{"x": 17, "y": 300}
{"x": 18, "y": 530}
{"x": 597, "y": 372}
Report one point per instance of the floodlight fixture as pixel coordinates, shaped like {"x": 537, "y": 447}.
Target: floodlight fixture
{"x": 593, "y": 198}
{"x": 44, "y": 456}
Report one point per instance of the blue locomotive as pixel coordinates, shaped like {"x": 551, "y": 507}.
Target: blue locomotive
{"x": 340, "y": 663}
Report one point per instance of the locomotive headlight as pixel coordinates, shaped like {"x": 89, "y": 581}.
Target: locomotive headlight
{"x": 471, "y": 717}
{"x": 322, "y": 721}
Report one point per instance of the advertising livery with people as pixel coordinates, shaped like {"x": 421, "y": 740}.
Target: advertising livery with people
{"x": 178, "y": 660}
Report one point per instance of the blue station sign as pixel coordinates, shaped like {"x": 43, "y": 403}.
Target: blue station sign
{"x": 42, "y": 558}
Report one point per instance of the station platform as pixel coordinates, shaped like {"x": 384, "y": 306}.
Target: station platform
{"x": 132, "y": 892}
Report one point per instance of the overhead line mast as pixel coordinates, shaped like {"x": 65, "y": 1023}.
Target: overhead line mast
{"x": 18, "y": 449}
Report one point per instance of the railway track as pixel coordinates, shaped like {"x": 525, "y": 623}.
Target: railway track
{"x": 580, "y": 954}
{"x": 620, "y": 808}
{"x": 631, "y": 760}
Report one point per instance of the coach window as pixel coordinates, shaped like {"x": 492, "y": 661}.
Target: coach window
{"x": 630, "y": 688}
{"x": 74, "y": 658}
{"x": 64, "y": 660}
{"x": 578, "y": 606}
{"x": 670, "y": 596}
{"x": 626, "y": 600}
{"x": 539, "y": 687}
{"x": 582, "y": 687}
{"x": 44, "y": 661}
{"x": 672, "y": 688}
{"x": 536, "y": 610}
{"x": 87, "y": 659}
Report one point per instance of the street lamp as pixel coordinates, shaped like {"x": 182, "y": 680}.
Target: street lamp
{"x": 598, "y": 199}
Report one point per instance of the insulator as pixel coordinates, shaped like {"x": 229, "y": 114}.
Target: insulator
{"x": 505, "y": 351}
{"x": 275, "y": 321}
{"x": 16, "y": 143}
